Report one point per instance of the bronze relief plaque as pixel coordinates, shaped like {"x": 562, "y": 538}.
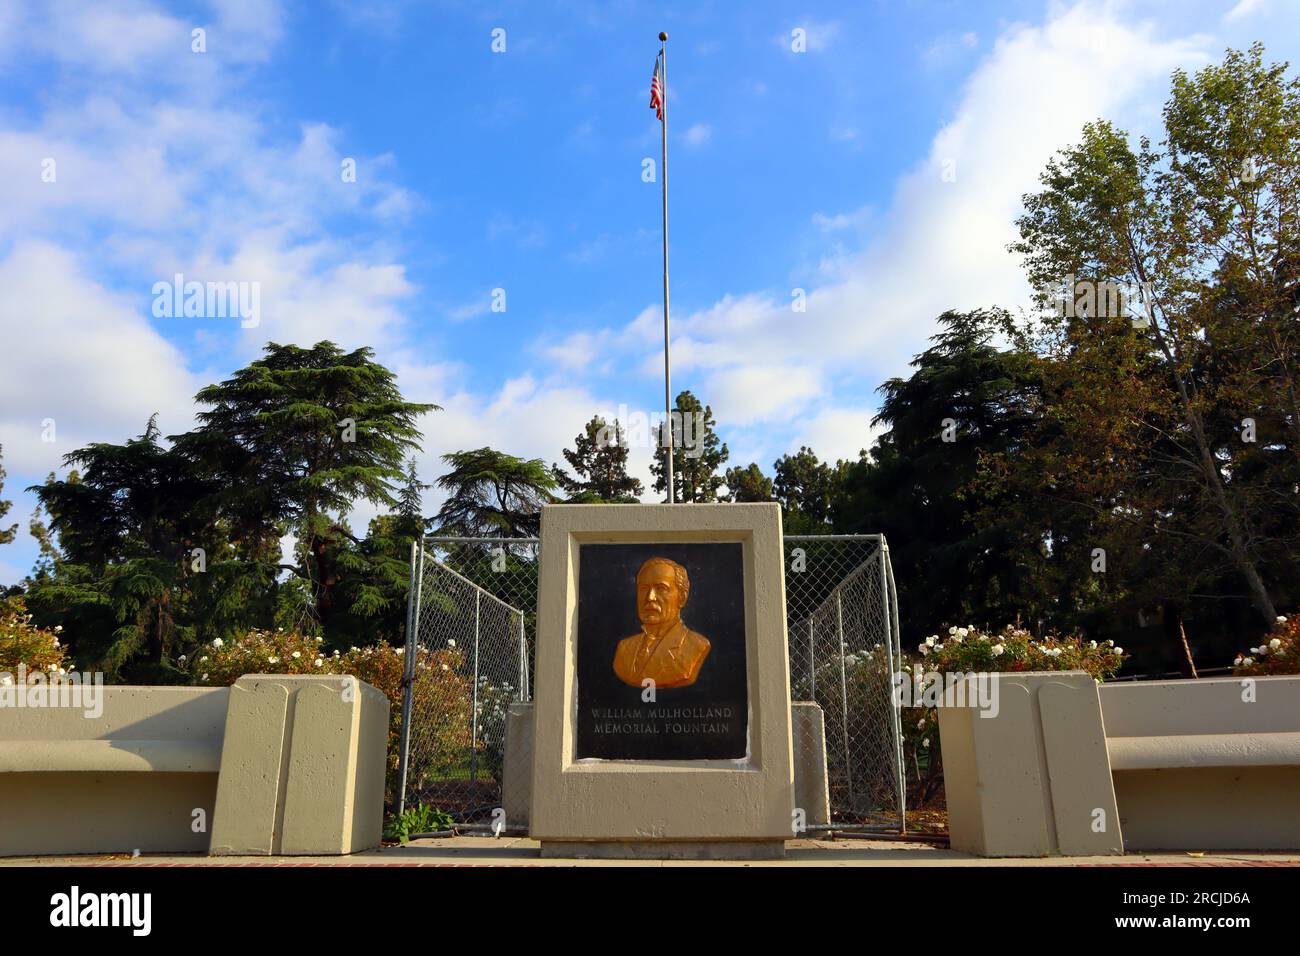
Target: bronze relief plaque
{"x": 661, "y": 669}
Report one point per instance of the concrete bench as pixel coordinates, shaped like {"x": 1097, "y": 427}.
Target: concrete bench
{"x": 1206, "y": 764}
{"x": 275, "y": 764}
{"x": 130, "y": 779}
{"x": 1030, "y": 779}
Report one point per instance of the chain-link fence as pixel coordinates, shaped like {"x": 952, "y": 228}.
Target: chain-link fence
{"x": 472, "y": 620}
{"x": 468, "y": 657}
{"x": 842, "y": 622}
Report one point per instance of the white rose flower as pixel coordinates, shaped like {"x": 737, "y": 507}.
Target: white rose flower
{"x": 319, "y": 662}
{"x": 953, "y": 629}
{"x": 296, "y": 654}
{"x": 997, "y": 650}
{"x": 217, "y": 642}
{"x": 924, "y": 649}
{"x": 962, "y": 631}
{"x": 925, "y": 742}
{"x": 1281, "y": 619}
{"x": 1119, "y": 650}
{"x": 451, "y": 642}
{"x": 273, "y": 660}
{"x": 203, "y": 659}
{"x": 1274, "y": 644}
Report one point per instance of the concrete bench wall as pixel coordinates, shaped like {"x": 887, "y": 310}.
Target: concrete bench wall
{"x": 1209, "y": 764}
{"x": 291, "y": 765}
{"x": 129, "y": 779}
{"x": 1206, "y": 764}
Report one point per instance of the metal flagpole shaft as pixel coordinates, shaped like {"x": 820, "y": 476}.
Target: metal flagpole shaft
{"x": 663, "y": 172}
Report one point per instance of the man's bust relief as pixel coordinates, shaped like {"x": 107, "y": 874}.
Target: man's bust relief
{"x": 666, "y": 651}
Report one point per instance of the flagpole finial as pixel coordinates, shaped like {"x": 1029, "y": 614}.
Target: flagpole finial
{"x": 662, "y": 35}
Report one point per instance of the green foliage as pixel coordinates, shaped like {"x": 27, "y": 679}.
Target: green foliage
{"x": 805, "y": 487}
{"x": 6, "y": 534}
{"x": 21, "y": 642}
{"x": 749, "y": 484}
{"x": 1278, "y": 651}
{"x": 424, "y": 818}
{"x": 1150, "y": 420}
{"x": 161, "y": 549}
{"x": 492, "y": 493}
{"x": 698, "y": 453}
{"x": 599, "y": 460}
{"x": 965, "y": 400}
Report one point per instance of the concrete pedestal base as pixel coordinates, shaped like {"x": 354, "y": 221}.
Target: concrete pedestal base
{"x": 811, "y": 788}
{"x": 665, "y": 850}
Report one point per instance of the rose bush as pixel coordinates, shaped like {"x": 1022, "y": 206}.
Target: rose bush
{"x": 1015, "y": 649}
{"x": 1278, "y": 652}
{"x": 441, "y": 697}
{"x": 37, "y": 648}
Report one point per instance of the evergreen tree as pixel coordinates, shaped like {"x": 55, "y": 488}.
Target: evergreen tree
{"x": 697, "y": 452}
{"x": 294, "y": 439}
{"x": 128, "y": 526}
{"x": 599, "y": 460}
{"x": 965, "y": 399}
{"x": 805, "y": 487}
{"x": 491, "y": 493}
{"x": 409, "y": 503}
{"x": 6, "y": 534}
{"x": 749, "y": 484}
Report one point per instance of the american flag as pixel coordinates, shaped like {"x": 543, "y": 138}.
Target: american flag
{"x": 657, "y": 88}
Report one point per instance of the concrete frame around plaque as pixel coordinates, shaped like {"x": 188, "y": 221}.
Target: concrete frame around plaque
{"x": 663, "y": 809}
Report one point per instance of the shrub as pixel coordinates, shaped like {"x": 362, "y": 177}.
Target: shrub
{"x": 37, "y": 648}
{"x": 1278, "y": 652}
{"x": 1014, "y": 649}
{"x": 422, "y": 819}
{"x": 440, "y": 693}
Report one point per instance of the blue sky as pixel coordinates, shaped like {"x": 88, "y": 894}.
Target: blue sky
{"x": 879, "y": 171}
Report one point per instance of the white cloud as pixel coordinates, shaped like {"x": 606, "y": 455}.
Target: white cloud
{"x": 698, "y": 134}
{"x": 60, "y": 327}
{"x": 1243, "y": 9}
{"x": 748, "y": 394}
{"x": 838, "y": 432}
{"x": 843, "y": 220}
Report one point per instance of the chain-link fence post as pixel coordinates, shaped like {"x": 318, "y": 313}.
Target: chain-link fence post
{"x": 408, "y": 667}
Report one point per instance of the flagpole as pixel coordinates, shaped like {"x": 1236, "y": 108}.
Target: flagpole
{"x": 663, "y": 172}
